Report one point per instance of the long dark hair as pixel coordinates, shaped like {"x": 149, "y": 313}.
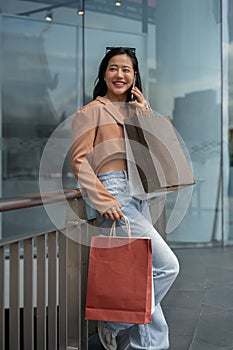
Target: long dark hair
{"x": 100, "y": 88}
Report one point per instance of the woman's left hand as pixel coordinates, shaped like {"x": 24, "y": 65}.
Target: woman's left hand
{"x": 140, "y": 99}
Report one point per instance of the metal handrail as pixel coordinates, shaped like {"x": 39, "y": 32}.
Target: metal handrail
{"x": 43, "y": 264}
{"x": 37, "y": 199}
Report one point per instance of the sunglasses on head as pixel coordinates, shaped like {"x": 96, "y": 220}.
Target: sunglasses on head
{"x": 110, "y": 48}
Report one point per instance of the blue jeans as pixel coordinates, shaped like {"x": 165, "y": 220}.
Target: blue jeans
{"x": 165, "y": 266}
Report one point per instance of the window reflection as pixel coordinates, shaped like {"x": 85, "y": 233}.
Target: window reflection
{"x": 179, "y": 52}
{"x": 39, "y": 91}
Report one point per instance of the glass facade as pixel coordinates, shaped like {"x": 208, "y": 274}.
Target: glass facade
{"x": 185, "y": 54}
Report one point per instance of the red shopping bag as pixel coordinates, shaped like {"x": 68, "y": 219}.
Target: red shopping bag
{"x": 119, "y": 285}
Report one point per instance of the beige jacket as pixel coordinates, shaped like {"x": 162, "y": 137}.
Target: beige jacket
{"x": 97, "y": 137}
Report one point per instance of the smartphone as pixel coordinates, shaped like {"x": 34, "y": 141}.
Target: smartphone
{"x": 132, "y": 97}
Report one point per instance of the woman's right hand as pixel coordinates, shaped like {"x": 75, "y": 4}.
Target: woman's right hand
{"x": 113, "y": 213}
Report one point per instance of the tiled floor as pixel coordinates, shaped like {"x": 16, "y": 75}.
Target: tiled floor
{"x": 199, "y": 306}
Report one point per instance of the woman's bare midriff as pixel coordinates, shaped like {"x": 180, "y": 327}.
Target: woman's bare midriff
{"x": 113, "y": 165}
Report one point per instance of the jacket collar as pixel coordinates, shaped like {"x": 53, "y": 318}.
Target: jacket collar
{"x": 112, "y": 109}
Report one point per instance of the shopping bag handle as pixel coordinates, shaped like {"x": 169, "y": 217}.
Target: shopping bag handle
{"x": 113, "y": 227}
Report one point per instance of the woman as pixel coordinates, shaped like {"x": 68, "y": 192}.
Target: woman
{"x": 98, "y": 161}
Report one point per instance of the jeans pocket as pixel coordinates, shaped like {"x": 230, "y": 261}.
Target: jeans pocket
{"x": 100, "y": 219}
{"x": 115, "y": 186}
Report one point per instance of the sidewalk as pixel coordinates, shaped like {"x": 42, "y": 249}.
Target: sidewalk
{"x": 199, "y": 306}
